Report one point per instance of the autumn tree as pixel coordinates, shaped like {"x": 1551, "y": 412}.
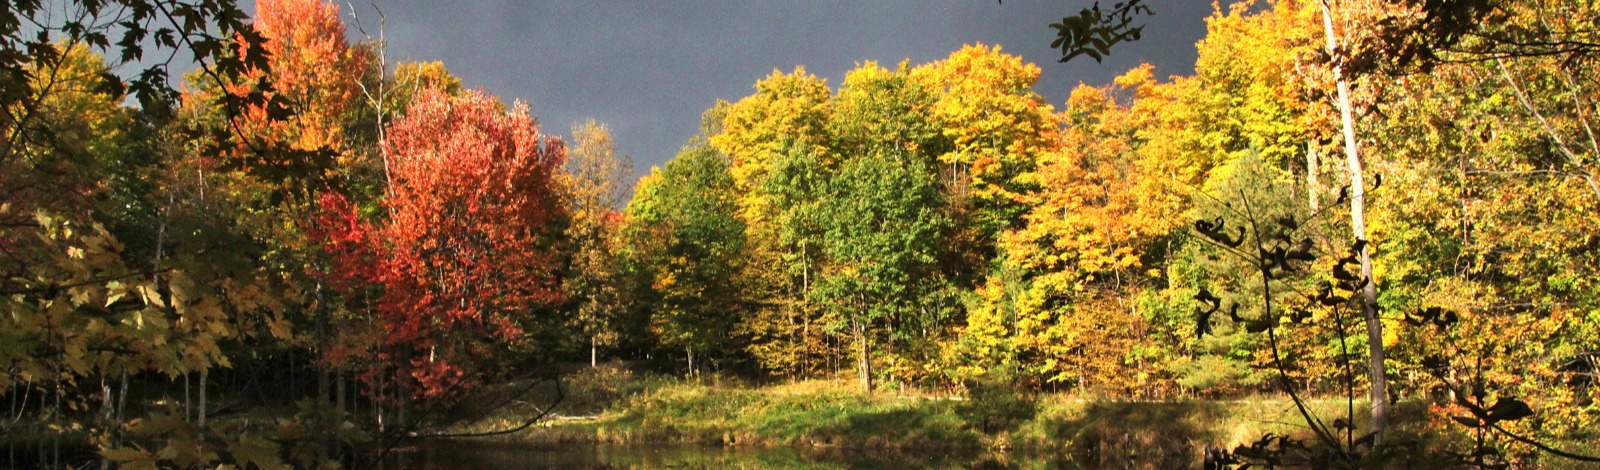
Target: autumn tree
{"x": 84, "y": 235}
{"x": 465, "y": 256}
{"x": 596, "y": 177}
{"x": 1087, "y": 248}
{"x": 786, "y": 330}
{"x": 997, "y": 128}
{"x": 258, "y": 145}
{"x": 777, "y": 141}
{"x": 81, "y": 307}
{"x": 1488, "y": 183}
{"x": 786, "y": 110}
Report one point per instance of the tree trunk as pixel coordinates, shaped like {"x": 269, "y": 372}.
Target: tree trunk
{"x": 377, "y": 404}
{"x": 338, "y": 390}
{"x": 863, "y": 362}
{"x": 1311, "y": 175}
{"x": 403, "y": 388}
{"x": 105, "y": 413}
{"x": 116, "y": 414}
{"x": 593, "y": 356}
{"x": 188, "y": 409}
{"x": 888, "y": 344}
{"x": 122, "y": 396}
{"x": 1369, "y": 292}
{"x": 322, "y": 334}
{"x": 200, "y": 420}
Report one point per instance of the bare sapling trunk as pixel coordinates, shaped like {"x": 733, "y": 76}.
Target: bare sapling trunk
{"x": 1311, "y": 175}
{"x": 1369, "y": 291}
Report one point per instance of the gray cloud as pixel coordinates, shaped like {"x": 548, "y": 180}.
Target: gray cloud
{"x": 649, "y": 68}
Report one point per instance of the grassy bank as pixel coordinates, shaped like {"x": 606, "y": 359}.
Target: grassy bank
{"x": 613, "y": 406}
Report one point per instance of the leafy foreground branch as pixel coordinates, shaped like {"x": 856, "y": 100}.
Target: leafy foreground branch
{"x": 1278, "y": 251}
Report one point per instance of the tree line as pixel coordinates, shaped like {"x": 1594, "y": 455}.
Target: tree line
{"x": 389, "y": 244}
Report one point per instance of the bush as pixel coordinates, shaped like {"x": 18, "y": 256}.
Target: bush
{"x": 993, "y": 406}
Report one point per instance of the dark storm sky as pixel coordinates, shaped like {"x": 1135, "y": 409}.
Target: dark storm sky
{"x": 649, "y": 68}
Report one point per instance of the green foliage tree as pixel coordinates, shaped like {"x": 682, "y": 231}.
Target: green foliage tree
{"x": 691, "y": 241}
{"x": 881, "y": 232}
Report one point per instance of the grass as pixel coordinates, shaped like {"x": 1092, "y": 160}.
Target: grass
{"x": 608, "y": 405}
{"x": 988, "y": 427}
{"x": 1164, "y": 434}
{"x": 822, "y": 416}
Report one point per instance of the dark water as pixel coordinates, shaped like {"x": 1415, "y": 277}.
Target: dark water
{"x": 471, "y": 454}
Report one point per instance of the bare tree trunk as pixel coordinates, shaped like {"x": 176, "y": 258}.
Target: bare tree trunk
{"x": 188, "y": 411}
{"x": 116, "y": 414}
{"x": 377, "y": 403}
{"x": 1311, "y": 175}
{"x": 338, "y": 390}
{"x": 863, "y": 362}
{"x": 201, "y": 420}
{"x": 1369, "y": 292}
{"x": 593, "y": 356}
{"x": 122, "y": 396}
{"x": 404, "y": 389}
{"x": 888, "y": 344}
{"x": 375, "y": 97}
{"x": 105, "y": 415}
{"x": 55, "y": 437}
{"x": 11, "y": 444}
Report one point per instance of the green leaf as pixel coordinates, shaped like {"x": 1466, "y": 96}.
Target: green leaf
{"x": 258, "y": 452}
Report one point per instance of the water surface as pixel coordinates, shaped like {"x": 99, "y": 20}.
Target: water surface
{"x": 470, "y": 454}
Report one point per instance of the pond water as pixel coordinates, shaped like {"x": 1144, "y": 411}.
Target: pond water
{"x": 471, "y": 454}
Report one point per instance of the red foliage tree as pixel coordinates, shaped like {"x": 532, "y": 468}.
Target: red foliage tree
{"x": 466, "y": 248}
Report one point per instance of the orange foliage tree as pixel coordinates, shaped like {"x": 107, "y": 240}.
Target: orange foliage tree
{"x": 466, "y": 251}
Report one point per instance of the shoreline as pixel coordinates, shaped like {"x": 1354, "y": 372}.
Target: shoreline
{"x": 615, "y": 408}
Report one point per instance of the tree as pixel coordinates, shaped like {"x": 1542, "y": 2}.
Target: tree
{"x": 106, "y": 309}
{"x": 787, "y": 110}
{"x": 777, "y": 140}
{"x": 1088, "y": 244}
{"x": 314, "y": 71}
{"x": 786, "y": 330}
{"x": 1486, "y": 196}
{"x": 216, "y": 34}
{"x": 684, "y": 217}
{"x": 80, "y": 307}
{"x": 1377, "y": 373}
{"x": 596, "y": 176}
{"x": 997, "y": 128}
{"x": 882, "y": 230}
{"x": 466, "y": 254}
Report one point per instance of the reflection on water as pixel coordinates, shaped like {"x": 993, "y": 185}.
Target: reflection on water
{"x": 469, "y": 454}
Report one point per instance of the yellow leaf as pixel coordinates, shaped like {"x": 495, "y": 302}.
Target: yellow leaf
{"x": 151, "y": 296}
